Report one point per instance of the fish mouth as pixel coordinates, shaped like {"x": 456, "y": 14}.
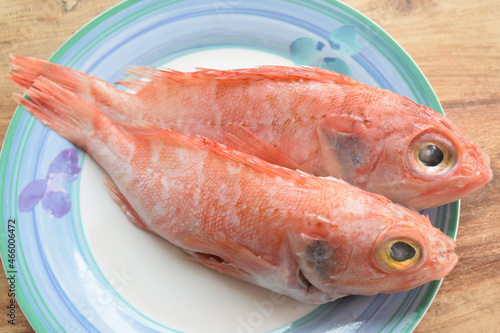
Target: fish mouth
{"x": 450, "y": 267}
{"x": 448, "y": 194}
{"x": 486, "y": 159}
{"x": 483, "y": 179}
{"x": 452, "y": 262}
{"x": 449, "y": 264}
{"x": 470, "y": 187}
{"x": 445, "y": 259}
{"x": 477, "y": 174}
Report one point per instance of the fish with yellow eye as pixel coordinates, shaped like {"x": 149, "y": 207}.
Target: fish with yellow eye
{"x": 399, "y": 254}
{"x": 312, "y": 238}
{"x": 305, "y": 118}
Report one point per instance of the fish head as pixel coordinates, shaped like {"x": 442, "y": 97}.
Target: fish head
{"x": 441, "y": 164}
{"x": 407, "y": 255}
{"x": 407, "y": 152}
{"x": 383, "y": 253}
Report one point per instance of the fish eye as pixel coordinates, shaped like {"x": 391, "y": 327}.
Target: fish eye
{"x": 399, "y": 254}
{"x": 401, "y": 251}
{"x": 431, "y": 155}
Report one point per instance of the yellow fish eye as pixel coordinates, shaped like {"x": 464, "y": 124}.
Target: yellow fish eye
{"x": 399, "y": 254}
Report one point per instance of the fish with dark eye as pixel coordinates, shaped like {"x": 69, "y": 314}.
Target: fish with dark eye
{"x": 431, "y": 155}
{"x": 313, "y": 238}
{"x": 402, "y": 251}
{"x": 310, "y": 119}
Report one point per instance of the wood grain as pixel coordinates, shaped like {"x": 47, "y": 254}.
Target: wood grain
{"x": 457, "y": 46}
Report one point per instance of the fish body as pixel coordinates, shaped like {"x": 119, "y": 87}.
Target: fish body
{"x": 309, "y": 119}
{"x": 313, "y": 238}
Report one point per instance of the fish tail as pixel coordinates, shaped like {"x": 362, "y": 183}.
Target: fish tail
{"x": 24, "y": 71}
{"x": 104, "y": 96}
{"x": 64, "y": 112}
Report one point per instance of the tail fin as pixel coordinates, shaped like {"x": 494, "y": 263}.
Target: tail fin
{"x": 104, "y": 96}
{"x": 64, "y": 112}
{"x": 24, "y": 71}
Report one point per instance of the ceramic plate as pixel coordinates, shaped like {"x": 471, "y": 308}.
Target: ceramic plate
{"x": 76, "y": 262}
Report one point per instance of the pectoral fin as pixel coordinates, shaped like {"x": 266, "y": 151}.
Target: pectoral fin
{"x": 243, "y": 139}
{"x": 226, "y": 256}
{"x": 344, "y": 123}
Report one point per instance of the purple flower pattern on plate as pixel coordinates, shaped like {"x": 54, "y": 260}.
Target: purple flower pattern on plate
{"x": 55, "y": 200}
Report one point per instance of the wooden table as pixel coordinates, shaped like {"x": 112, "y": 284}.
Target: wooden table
{"x": 457, "y": 46}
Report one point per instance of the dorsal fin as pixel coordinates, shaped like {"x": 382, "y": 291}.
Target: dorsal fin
{"x": 147, "y": 77}
{"x": 151, "y": 131}
{"x": 150, "y": 76}
{"x": 281, "y": 73}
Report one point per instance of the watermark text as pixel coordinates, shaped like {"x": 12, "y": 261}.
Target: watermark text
{"x": 11, "y": 271}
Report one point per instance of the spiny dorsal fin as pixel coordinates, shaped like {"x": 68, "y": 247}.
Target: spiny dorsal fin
{"x": 283, "y": 73}
{"x": 150, "y": 76}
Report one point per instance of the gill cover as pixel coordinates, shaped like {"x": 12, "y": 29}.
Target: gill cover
{"x": 317, "y": 265}
{"x": 342, "y": 149}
